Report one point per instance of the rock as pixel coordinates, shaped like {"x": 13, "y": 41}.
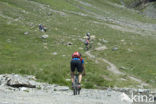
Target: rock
{"x": 31, "y": 25}
{"x": 68, "y": 80}
{"x": 122, "y": 40}
{"x": 63, "y": 55}
{"x": 46, "y": 47}
{"x": 16, "y": 81}
{"x": 101, "y": 48}
{"x": 80, "y": 48}
{"x": 9, "y": 40}
{"x": 56, "y": 94}
{"x": 54, "y": 53}
{"x": 61, "y": 88}
{"x": 82, "y": 40}
{"x": 31, "y": 77}
{"x": 143, "y": 91}
{"x": 3, "y": 80}
{"x": 69, "y": 43}
{"x": 104, "y": 41}
{"x": 45, "y": 43}
{"x": 115, "y": 49}
{"x": 99, "y": 44}
{"x": 24, "y": 89}
{"x": 44, "y": 36}
{"x": 109, "y": 91}
{"x": 85, "y": 37}
{"x": 49, "y": 13}
{"x": 26, "y": 33}
{"x": 96, "y": 61}
{"x": 123, "y": 68}
{"x": 130, "y": 50}
{"x": 123, "y": 79}
{"x": 92, "y": 37}
{"x": 17, "y": 19}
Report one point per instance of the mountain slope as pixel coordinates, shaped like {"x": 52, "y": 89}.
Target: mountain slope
{"x": 68, "y": 21}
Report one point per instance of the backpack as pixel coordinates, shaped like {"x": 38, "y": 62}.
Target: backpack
{"x": 76, "y": 55}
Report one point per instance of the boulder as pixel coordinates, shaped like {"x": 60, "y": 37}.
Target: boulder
{"x": 54, "y": 53}
{"x": 26, "y": 33}
{"x": 9, "y": 40}
{"x": 104, "y": 41}
{"x": 123, "y": 68}
{"x": 16, "y": 81}
{"x": 68, "y": 80}
{"x": 61, "y": 88}
{"x": 101, "y": 48}
{"x": 64, "y": 55}
{"x": 115, "y": 48}
{"x": 24, "y": 89}
{"x": 69, "y": 43}
{"x": 80, "y": 48}
{"x": 50, "y": 14}
{"x": 44, "y": 36}
{"x": 99, "y": 44}
{"x": 130, "y": 50}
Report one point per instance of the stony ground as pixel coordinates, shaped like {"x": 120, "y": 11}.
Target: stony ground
{"x": 43, "y": 93}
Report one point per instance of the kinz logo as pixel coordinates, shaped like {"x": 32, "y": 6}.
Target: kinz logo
{"x": 142, "y": 98}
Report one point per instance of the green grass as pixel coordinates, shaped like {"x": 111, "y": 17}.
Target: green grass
{"x": 29, "y": 54}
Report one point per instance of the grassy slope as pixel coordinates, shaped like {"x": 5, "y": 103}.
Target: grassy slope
{"x": 26, "y": 54}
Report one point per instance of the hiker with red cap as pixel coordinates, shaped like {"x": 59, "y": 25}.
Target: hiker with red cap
{"x": 77, "y": 62}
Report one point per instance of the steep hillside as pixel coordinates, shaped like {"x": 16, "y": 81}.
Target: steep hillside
{"x": 145, "y": 7}
{"x": 128, "y": 36}
{"x": 150, "y": 10}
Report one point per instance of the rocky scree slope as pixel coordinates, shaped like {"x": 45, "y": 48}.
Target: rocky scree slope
{"x": 17, "y": 89}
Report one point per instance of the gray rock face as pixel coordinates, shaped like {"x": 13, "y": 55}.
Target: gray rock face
{"x": 150, "y": 10}
{"x": 14, "y": 80}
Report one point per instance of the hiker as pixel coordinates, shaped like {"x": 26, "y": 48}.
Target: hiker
{"x": 42, "y": 28}
{"x": 88, "y": 36}
{"x": 77, "y": 62}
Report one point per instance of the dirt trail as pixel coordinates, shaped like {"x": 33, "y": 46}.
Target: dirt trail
{"x": 112, "y": 68}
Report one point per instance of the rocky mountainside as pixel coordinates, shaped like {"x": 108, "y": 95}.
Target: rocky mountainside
{"x": 17, "y": 89}
{"x": 120, "y": 61}
{"x": 146, "y": 7}
{"x": 150, "y": 10}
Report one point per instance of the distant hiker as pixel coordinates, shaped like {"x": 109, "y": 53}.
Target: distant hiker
{"x": 87, "y": 44}
{"x": 88, "y": 36}
{"x": 42, "y": 28}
